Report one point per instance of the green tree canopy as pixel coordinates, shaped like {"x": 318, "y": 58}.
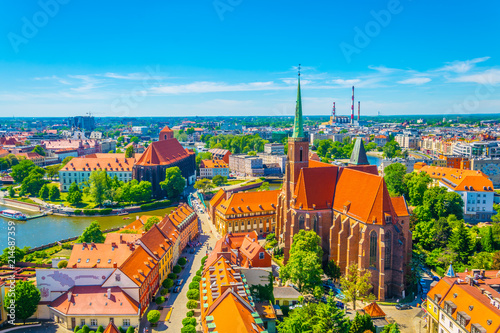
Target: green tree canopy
{"x": 393, "y": 176}
{"x": 218, "y": 180}
{"x": 129, "y": 152}
{"x": 149, "y": 223}
{"x": 21, "y": 170}
{"x": 25, "y": 298}
{"x": 39, "y": 150}
{"x": 356, "y": 285}
{"x": 54, "y": 193}
{"x": 174, "y": 183}
{"x": 416, "y": 185}
{"x": 92, "y": 233}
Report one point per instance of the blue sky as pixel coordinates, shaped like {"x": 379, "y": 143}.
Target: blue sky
{"x": 239, "y": 57}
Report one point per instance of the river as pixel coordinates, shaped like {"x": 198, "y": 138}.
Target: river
{"x": 374, "y": 160}
{"x": 48, "y": 229}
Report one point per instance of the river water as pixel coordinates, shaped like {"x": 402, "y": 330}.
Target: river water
{"x": 49, "y": 229}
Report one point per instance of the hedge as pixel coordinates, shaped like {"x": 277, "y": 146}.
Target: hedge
{"x": 188, "y": 329}
{"x": 190, "y": 313}
{"x": 194, "y": 285}
{"x": 192, "y": 305}
{"x": 196, "y": 278}
{"x": 154, "y": 205}
{"x": 203, "y": 260}
{"x": 189, "y": 321}
{"x": 193, "y": 294}
{"x": 105, "y": 211}
{"x": 77, "y": 212}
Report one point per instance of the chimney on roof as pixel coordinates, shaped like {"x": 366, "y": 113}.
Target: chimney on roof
{"x": 69, "y": 296}
{"x": 115, "y": 265}
{"x": 109, "y": 293}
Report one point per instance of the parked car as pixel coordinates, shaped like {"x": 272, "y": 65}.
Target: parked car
{"x": 435, "y": 278}
{"x": 179, "y": 282}
{"x": 340, "y": 305}
{"x": 425, "y": 290}
{"x": 177, "y": 289}
{"x": 403, "y": 306}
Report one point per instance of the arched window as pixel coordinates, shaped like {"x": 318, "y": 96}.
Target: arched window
{"x": 373, "y": 249}
{"x": 388, "y": 250}
{"x": 315, "y": 223}
{"x": 165, "y": 137}
{"x": 301, "y": 222}
{"x": 300, "y": 152}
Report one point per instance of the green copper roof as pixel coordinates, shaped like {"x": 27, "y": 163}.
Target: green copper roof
{"x": 358, "y": 156}
{"x": 298, "y": 126}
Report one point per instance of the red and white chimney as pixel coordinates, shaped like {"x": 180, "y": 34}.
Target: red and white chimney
{"x": 352, "y": 106}
{"x": 359, "y": 107}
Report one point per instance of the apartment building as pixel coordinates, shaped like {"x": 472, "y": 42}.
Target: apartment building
{"x": 246, "y": 164}
{"x": 214, "y": 167}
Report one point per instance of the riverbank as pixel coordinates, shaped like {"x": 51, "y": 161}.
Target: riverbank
{"x": 19, "y": 204}
{"x": 377, "y": 154}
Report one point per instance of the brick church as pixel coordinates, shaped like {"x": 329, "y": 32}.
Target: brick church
{"x": 350, "y": 209}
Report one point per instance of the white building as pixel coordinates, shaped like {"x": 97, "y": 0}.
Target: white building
{"x": 246, "y": 164}
{"x": 78, "y": 170}
{"x": 274, "y": 148}
{"x": 212, "y": 168}
{"x": 407, "y": 141}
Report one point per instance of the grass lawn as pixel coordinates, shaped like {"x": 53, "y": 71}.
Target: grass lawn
{"x": 66, "y": 253}
{"x": 27, "y": 200}
{"x": 234, "y": 182}
{"x": 86, "y": 201}
{"x": 256, "y": 181}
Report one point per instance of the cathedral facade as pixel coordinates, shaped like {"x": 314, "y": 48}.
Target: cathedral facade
{"x": 350, "y": 209}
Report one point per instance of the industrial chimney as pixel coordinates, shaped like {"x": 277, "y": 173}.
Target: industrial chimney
{"x": 333, "y": 114}
{"x": 352, "y": 107}
{"x": 359, "y": 109}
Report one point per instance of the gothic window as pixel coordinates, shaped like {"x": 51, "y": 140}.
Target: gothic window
{"x": 165, "y": 137}
{"x": 373, "y": 249}
{"x": 300, "y": 154}
{"x": 388, "y": 249}
{"x": 315, "y": 223}
{"x": 301, "y": 222}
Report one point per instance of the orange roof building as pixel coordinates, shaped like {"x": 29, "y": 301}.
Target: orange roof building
{"x": 469, "y": 301}
{"x": 161, "y": 155}
{"x": 245, "y": 212}
{"x": 212, "y": 168}
{"x": 473, "y": 186}
{"x": 349, "y": 208}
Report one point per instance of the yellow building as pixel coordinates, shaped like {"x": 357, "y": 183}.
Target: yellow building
{"x": 246, "y": 211}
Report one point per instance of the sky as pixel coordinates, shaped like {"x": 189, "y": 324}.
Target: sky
{"x": 239, "y": 57}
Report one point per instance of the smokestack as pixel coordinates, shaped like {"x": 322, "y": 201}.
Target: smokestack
{"x": 352, "y": 107}
{"x": 333, "y": 113}
{"x": 359, "y": 109}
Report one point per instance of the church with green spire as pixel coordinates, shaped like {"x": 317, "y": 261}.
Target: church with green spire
{"x": 298, "y": 125}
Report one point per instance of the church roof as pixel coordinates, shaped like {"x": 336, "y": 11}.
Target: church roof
{"x": 316, "y": 187}
{"x": 249, "y": 202}
{"x": 364, "y": 195}
{"x": 358, "y": 156}
{"x": 163, "y": 152}
{"x": 400, "y": 207}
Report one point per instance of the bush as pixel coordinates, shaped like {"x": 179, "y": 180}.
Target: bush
{"x": 153, "y": 316}
{"x": 130, "y": 329}
{"x": 193, "y": 294}
{"x": 100, "y": 329}
{"x": 182, "y": 261}
{"x": 203, "y": 260}
{"x": 199, "y": 272}
{"x": 67, "y": 246}
{"x": 190, "y": 313}
{"x": 167, "y": 283}
{"x": 196, "y": 278}
{"x": 172, "y": 276}
{"x": 78, "y": 211}
{"x": 189, "y": 321}
{"x": 194, "y": 285}
{"x": 188, "y": 329}
{"x": 85, "y": 329}
{"x": 192, "y": 305}
{"x": 89, "y": 212}
{"x": 77, "y": 328}
{"x": 160, "y": 300}
{"x": 163, "y": 292}
{"x": 121, "y": 329}
{"x": 105, "y": 211}
{"x": 62, "y": 264}
{"x": 155, "y": 205}
{"x": 177, "y": 269}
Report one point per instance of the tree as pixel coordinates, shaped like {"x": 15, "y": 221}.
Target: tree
{"x": 189, "y": 321}
{"x": 192, "y": 304}
{"x": 92, "y": 233}
{"x": 153, "y": 316}
{"x": 270, "y": 237}
{"x": 182, "y": 261}
{"x": 218, "y": 180}
{"x": 100, "y": 186}
{"x": 391, "y": 328}
{"x": 134, "y": 139}
{"x": 177, "y": 269}
{"x": 304, "y": 265}
{"x": 160, "y": 300}
{"x": 54, "y": 193}
{"x": 488, "y": 241}
{"x": 332, "y": 270}
{"x": 461, "y": 242}
{"x": 8, "y": 253}
{"x": 34, "y": 181}
{"x": 188, "y": 329}
{"x": 203, "y": 185}
{"x": 393, "y": 176}
{"x": 53, "y": 170}
{"x": 174, "y": 183}
{"x": 75, "y": 195}
{"x": 44, "y": 192}
{"x": 442, "y": 232}
{"x": 167, "y": 283}
{"x": 193, "y": 294}
{"x": 264, "y": 186}
{"x": 21, "y": 170}
{"x": 12, "y": 193}
{"x": 130, "y": 329}
{"x": 391, "y": 149}
{"x": 361, "y": 324}
{"x": 149, "y": 223}
{"x": 482, "y": 260}
{"x": 66, "y": 160}
{"x": 356, "y": 285}
{"x": 62, "y": 264}
{"x": 496, "y": 261}
{"x": 416, "y": 185}
{"x": 129, "y": 152}
{"x": 24, "y": 297}
{"x": 315, "y": 318}
{"x": 39, "y": 150}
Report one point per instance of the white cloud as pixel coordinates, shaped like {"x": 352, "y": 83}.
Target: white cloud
{"x": 211, "y": 87}
{"x": 342, "y": 82}
{"x": 416, "y": 80}
{"x": 490, "y": 76}
{"x": 462, "y": 66}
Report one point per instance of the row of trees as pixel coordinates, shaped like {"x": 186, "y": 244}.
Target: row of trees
{"x": 238, "y": 143}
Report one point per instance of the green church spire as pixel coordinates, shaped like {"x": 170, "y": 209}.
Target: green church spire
{"x": 298, "y": 126}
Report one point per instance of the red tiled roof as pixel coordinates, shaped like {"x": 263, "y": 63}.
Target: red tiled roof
{"x": 98, "y": 255}
{"x": 247, "y": 202}
{"x": 164, "y": 152}
{"x": 374, "y": 310}
{"x": 94, "y": 300}
{"x": 93, "y": 164}
{"x": 138, "y": 266}
{"x": 316, "y": 187}
{"x": 400, "y": 207}
{"x": 111, "y": 328}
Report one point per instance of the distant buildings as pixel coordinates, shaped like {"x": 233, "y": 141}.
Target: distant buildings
{"x": 274, "y": 149}
{"x": 86, "y": 123}
{"x": 407, "y": 141}
{"x": 161, "y": 155}
{"x": 246, "y": 164}
{"x": 220, "y": 154}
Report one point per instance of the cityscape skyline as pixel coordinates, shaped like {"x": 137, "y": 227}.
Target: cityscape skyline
{"x": 68, "y": 59}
